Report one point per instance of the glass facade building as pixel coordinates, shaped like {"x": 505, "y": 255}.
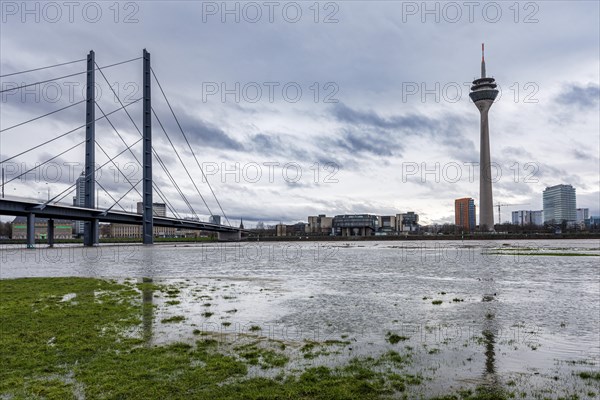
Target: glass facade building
{"x": 559, "y": 204}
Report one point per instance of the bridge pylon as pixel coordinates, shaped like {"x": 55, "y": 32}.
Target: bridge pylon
{"x": 90, "y": 228}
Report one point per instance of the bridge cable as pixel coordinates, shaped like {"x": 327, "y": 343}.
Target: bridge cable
{"x": 38, "y": 69}
{"x": 158, "y": 190}
{"x": 181, "y": 161}
{"x": 66, "y": 133}
{"x": 42, "y": 116}
{"x": 65, "y": 76}
{"x": 113, "y": 199}
{"x": 158, "y": 158}
{"x": 190, "y": 147}
{"x": 45, "y": 162}
{"x": 121, "y": 198}
{"x": 93, "y": 172}
{"x": 160, "y": 194}
{"x": 118, "y": 169}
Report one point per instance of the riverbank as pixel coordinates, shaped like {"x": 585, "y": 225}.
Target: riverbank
{"x": 74, "y": 338}
{"x": 256, "y": 237}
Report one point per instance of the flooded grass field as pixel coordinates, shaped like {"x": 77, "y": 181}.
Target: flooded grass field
{"x": 449, "y": 320}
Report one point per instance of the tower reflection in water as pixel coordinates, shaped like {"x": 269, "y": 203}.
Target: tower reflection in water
{"x": 490, "y": 332}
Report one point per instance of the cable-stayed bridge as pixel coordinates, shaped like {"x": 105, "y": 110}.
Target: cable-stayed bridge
{"x": 89, "y": 212}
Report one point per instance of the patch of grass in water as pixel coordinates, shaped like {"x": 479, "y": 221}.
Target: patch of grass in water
{"x": 207, "y": 314}
{"x": 545, "y": 254}
{"x": 589, "y": 375}
{"x": 172, "y": 302}
{"x": 265, "y": 358}
{"x": 395, "y": 358}
{"x": 393, "y": 338}
{"x": 176, "y": 318}
{"x": 436, "y": 302}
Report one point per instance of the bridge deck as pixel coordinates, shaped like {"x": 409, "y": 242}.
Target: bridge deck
{"x": 23, "y": 207}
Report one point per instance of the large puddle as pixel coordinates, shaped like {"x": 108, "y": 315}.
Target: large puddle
{"x": 521, "y": 315}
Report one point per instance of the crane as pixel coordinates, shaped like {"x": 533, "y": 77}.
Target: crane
{"x": 507, "y": 205}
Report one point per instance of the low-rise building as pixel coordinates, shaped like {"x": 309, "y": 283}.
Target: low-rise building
{"x": 407, "y": 222}
{"x": 63, "y": 229}
{"x": 528, "y": 217}
{"x": 387, "y": 225}
{"x": 135, "y": 231}
{"x": 319, "y": 225}
{"x": 297, "y": 229}
{"x": 355, "y": 225}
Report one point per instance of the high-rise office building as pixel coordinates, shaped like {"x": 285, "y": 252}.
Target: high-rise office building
{"x": 158, "y": 209}
{"x": 464, "y": 213}
{"x": 559, "y": 204}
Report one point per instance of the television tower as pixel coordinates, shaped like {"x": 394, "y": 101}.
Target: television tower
{"x": 483, "y": 93}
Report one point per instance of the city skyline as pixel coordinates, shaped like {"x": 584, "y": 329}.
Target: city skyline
{"x": 389, "y": 129}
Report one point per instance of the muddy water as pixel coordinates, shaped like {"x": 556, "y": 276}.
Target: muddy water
{"x": 520, "y": 315}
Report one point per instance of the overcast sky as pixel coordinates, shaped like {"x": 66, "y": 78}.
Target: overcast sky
{"x": 304, "y": 108}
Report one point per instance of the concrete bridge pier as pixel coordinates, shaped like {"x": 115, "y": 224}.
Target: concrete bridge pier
{"x": 31, "y": 231}
{"x": 50, "y": 232}
{"x": 229, "y": 236}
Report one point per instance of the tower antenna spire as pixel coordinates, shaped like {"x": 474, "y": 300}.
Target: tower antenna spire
{"x": 482, "y": 61}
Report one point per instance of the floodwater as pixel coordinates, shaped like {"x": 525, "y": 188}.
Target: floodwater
{"x": 524, "y": 315}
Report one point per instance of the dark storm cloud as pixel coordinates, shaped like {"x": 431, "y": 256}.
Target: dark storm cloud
{"x": 199, "y": 132}
{"x": 580, "y": 96}
{"x": 368, "y": 132}
{"x": 378, "y": 143}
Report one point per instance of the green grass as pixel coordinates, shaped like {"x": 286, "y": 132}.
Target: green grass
{"x": 176, "y": 318}
{"x": 98, "y": 346}
{"x": 53, "y": 349}
{"x": 437, "y": 302}
{"x": 589, "y": 375}
{"x": 513, "y": 253}
{"x": 393, "y": 338}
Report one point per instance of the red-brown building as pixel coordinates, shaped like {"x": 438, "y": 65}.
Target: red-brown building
{"x": 464, "y": 213}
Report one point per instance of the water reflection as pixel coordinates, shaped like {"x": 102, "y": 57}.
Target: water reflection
{"x": 147, "y": 310}
{"x": 490, "y": 331}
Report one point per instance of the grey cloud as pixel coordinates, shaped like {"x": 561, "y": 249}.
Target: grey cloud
{"x": 199, "y": 132}
{"x": 580, "y": 96}
{"x": 368, "y": 132}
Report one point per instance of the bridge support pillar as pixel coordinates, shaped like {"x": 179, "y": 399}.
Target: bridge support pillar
{"x": 147, "y": 212}
{"x": 229, "y": 236}
{"x": 91, "y": 232}
{"x": 50, "y": 232}
{"x": 30, "y": 231}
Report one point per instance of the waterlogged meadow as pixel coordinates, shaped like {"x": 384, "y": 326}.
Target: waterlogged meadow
{"x": 472, "y": 320}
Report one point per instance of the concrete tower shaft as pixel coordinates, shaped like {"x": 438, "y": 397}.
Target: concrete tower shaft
{"x": 483, "y": 93}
